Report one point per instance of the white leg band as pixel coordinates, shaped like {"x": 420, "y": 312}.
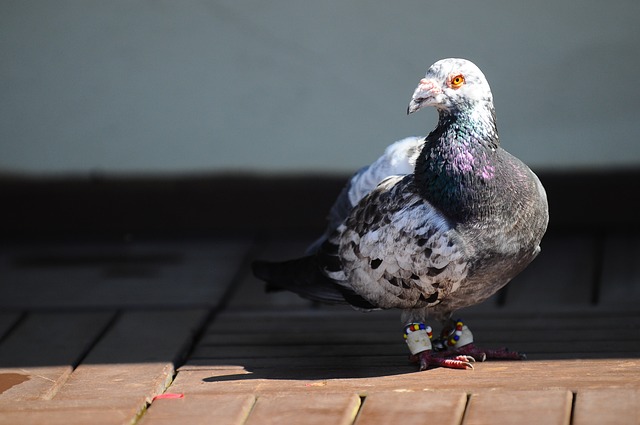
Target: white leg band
{"x": 418, "y": 337}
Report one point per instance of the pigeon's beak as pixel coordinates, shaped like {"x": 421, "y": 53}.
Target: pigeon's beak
{"x": 424, "y": 95}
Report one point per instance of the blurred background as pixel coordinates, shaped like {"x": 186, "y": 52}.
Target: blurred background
{"x": 216, "y": 86}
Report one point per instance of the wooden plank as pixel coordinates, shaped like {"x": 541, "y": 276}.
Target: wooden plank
{"x": 40, "y": 353}
{"x": 200, "y": 410}
{"x": 562, "y": 275}
{"x": 298, "y": 359}
{"x": 308, "y": 349}
{"x": 358, "y": 363}
{"x": 411, "y": 408}
{"x": 333, "y": 320}
{"x": 119, "y": 275}
{"x": 300, "y": 319}
{"x": 52, "y": 338}
{"x": 262, "y": 355}
{"x": 550, "y": 407}
{"x": 103, "y": 416}
{"x": 305, "y": 409}
{"x": 133, "y": 362}
{"x": 138, "y": 382}
{"x": 347, "y": 366}
{"x": 237, "y": 377}
{"x": 148, "y": 336}
{"x": 215, "y": 344}
{"x": 281, "y": 343}
{"x": 261, "y": 336}
{"x": 135, "y": 358}
{"x": 392, "y": 317}
{"x": 534, "y": 352}
{"x": 620, "y": 284}
{"x": 31, "y": 383}
{"x": 121, "y": 411}
{"x": 611, "y": 406}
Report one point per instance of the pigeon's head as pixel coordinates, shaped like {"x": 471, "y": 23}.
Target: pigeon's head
{"x": 451, "y": 86}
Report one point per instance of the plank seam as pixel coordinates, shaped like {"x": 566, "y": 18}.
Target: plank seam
{"x": 363, "y": 398}
{"x": 249, "y": 411}
{"x": 466, "y": 409}
{"x": 355, "y": 412}
{"x": 83, "y": 355}
{"x": 234, "y": 284}
{"x": 16, "y": 323}
{"x": 107, "y": 327}
{"x": 574, "y": 395}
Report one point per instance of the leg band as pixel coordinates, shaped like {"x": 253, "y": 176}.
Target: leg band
{"x": 459, "y": 336}
{"x": 418, "y": 337}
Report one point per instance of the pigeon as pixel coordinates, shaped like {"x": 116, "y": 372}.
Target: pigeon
{"x": 399, "y": 158}
{"x": 446, "y": 235}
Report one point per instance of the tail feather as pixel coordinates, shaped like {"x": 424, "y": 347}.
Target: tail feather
{"x": 301, "y": 276}
{"x": 304, "y": 277}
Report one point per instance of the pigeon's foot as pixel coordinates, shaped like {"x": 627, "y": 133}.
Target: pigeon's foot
{"x": 428, "y": 359}
{"x": 482, "y": 354}
{"x": 457, "y": 339}
{"x": 418, "y": 338}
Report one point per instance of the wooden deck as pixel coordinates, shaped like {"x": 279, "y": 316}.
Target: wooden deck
{"x": 179, "y": 331}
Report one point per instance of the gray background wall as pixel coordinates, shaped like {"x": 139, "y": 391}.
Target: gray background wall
{"x": 122, "y": 86}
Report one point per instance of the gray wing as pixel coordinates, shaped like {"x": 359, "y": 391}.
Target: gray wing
{"x": 399, "y": 158}
{"x": 339, "y": 211}
{"x": 397, "y": 251}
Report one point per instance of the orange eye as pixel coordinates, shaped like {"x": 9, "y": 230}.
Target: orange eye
{"x": 456, "y": 81}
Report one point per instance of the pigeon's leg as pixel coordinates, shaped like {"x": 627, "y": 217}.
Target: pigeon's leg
{"x": 418, "y": 338}
{"x": 458, "y": 339}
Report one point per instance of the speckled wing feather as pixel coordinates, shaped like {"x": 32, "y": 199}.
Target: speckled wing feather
{"x": 399, "y": 158}
{"x": 396, "y": 251}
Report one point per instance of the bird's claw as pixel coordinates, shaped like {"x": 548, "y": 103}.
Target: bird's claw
{"x": 428, "y": 359}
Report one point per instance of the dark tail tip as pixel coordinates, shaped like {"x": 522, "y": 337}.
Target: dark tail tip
{"x": 263, "y": 270}
{"x": 260, "y": 269}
